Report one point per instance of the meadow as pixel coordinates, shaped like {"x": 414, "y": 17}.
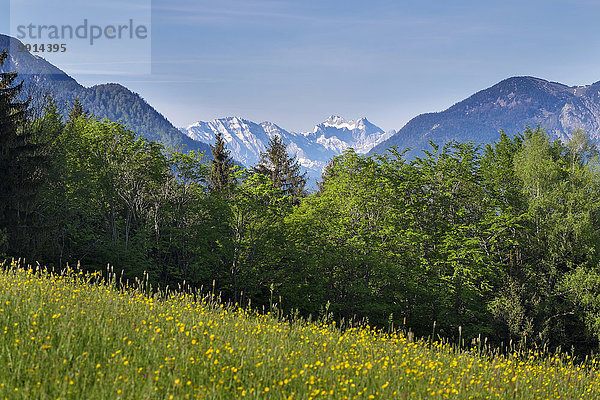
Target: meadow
{"x": 76, "y": 335}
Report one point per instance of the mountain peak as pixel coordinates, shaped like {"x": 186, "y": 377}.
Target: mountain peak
{"x": 335, "y": 121}
{"x": 511, "y": 105}
{"x": 234, "y": 119}
{"x": 247, "y": 140}
{"x": 526, "y": 83}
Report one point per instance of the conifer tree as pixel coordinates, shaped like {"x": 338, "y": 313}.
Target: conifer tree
{"x": 283, "y": 170}
{"x": 76, "y": 110}
{"x": 221, "y": 165}
{"x": 18, "y": 175}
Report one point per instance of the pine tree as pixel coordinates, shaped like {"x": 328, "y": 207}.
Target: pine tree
{"x": 220, "y": 172}
{"x": 76, "y": 110}
{"x": 18, "y": 175}
{"x": 283, "y": 170}
{"x": 328, "y": 173}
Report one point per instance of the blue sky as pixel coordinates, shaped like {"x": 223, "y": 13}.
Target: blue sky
{"x": 297, "y": 62}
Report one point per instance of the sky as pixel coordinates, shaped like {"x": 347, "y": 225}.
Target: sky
{"x": 297, "y": 62}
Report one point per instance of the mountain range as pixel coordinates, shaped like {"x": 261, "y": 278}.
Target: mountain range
{"x": 511, "y": 105}
{"x": 247, "y": 139}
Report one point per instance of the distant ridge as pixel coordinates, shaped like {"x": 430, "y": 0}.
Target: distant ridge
{"x": 111, "y": 100}
{"x": 511, "y": 105}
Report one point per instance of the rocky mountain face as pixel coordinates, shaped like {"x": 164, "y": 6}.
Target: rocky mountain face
{"x": 510, "y": 105}
{"x": 112, "y": 101}
{"x": 337, "y": 134}
{"x": 247, "y": 139}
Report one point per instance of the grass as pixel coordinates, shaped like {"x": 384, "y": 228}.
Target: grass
{"x": 76, "y": 336}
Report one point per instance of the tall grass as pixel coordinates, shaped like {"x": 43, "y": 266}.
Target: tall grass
{"x": 80, "y": 336}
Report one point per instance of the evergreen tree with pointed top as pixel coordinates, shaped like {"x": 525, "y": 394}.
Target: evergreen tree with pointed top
{"x": 76, "y": 110}
{"x": 19, "y": 160}
{"x": 221, "y": 164}
{"x": 283, "y": 170}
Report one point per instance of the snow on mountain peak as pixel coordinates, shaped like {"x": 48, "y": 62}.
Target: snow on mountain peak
{"x": 335, "y": 120}
{"x": 338, "y": 122}
{"x": 247, "y": 139}
{"x": 337, "y": 134}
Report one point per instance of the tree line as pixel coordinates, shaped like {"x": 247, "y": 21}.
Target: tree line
{"x": 501, "y": 240}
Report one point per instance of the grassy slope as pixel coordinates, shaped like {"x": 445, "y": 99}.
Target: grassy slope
{"x": 72, "y": 337}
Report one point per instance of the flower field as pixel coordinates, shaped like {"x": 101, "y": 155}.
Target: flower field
{"x": 76, "y": 336}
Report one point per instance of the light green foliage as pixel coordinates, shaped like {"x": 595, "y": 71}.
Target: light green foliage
{"x": 557, "y": 232}
{"x": 257, "y": 208}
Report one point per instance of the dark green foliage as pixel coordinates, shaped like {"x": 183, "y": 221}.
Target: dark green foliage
{"x": 283, "y": 170}
{"x": 387, "y": 236}
{"x": 221, "y": 174}
{"x": 76, "y": 110}
{"x": 21, "y": 167}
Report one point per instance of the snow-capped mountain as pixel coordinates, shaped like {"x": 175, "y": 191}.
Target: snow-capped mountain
{"x": 336, "y": 134}
{"x": 247, "y": 139}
